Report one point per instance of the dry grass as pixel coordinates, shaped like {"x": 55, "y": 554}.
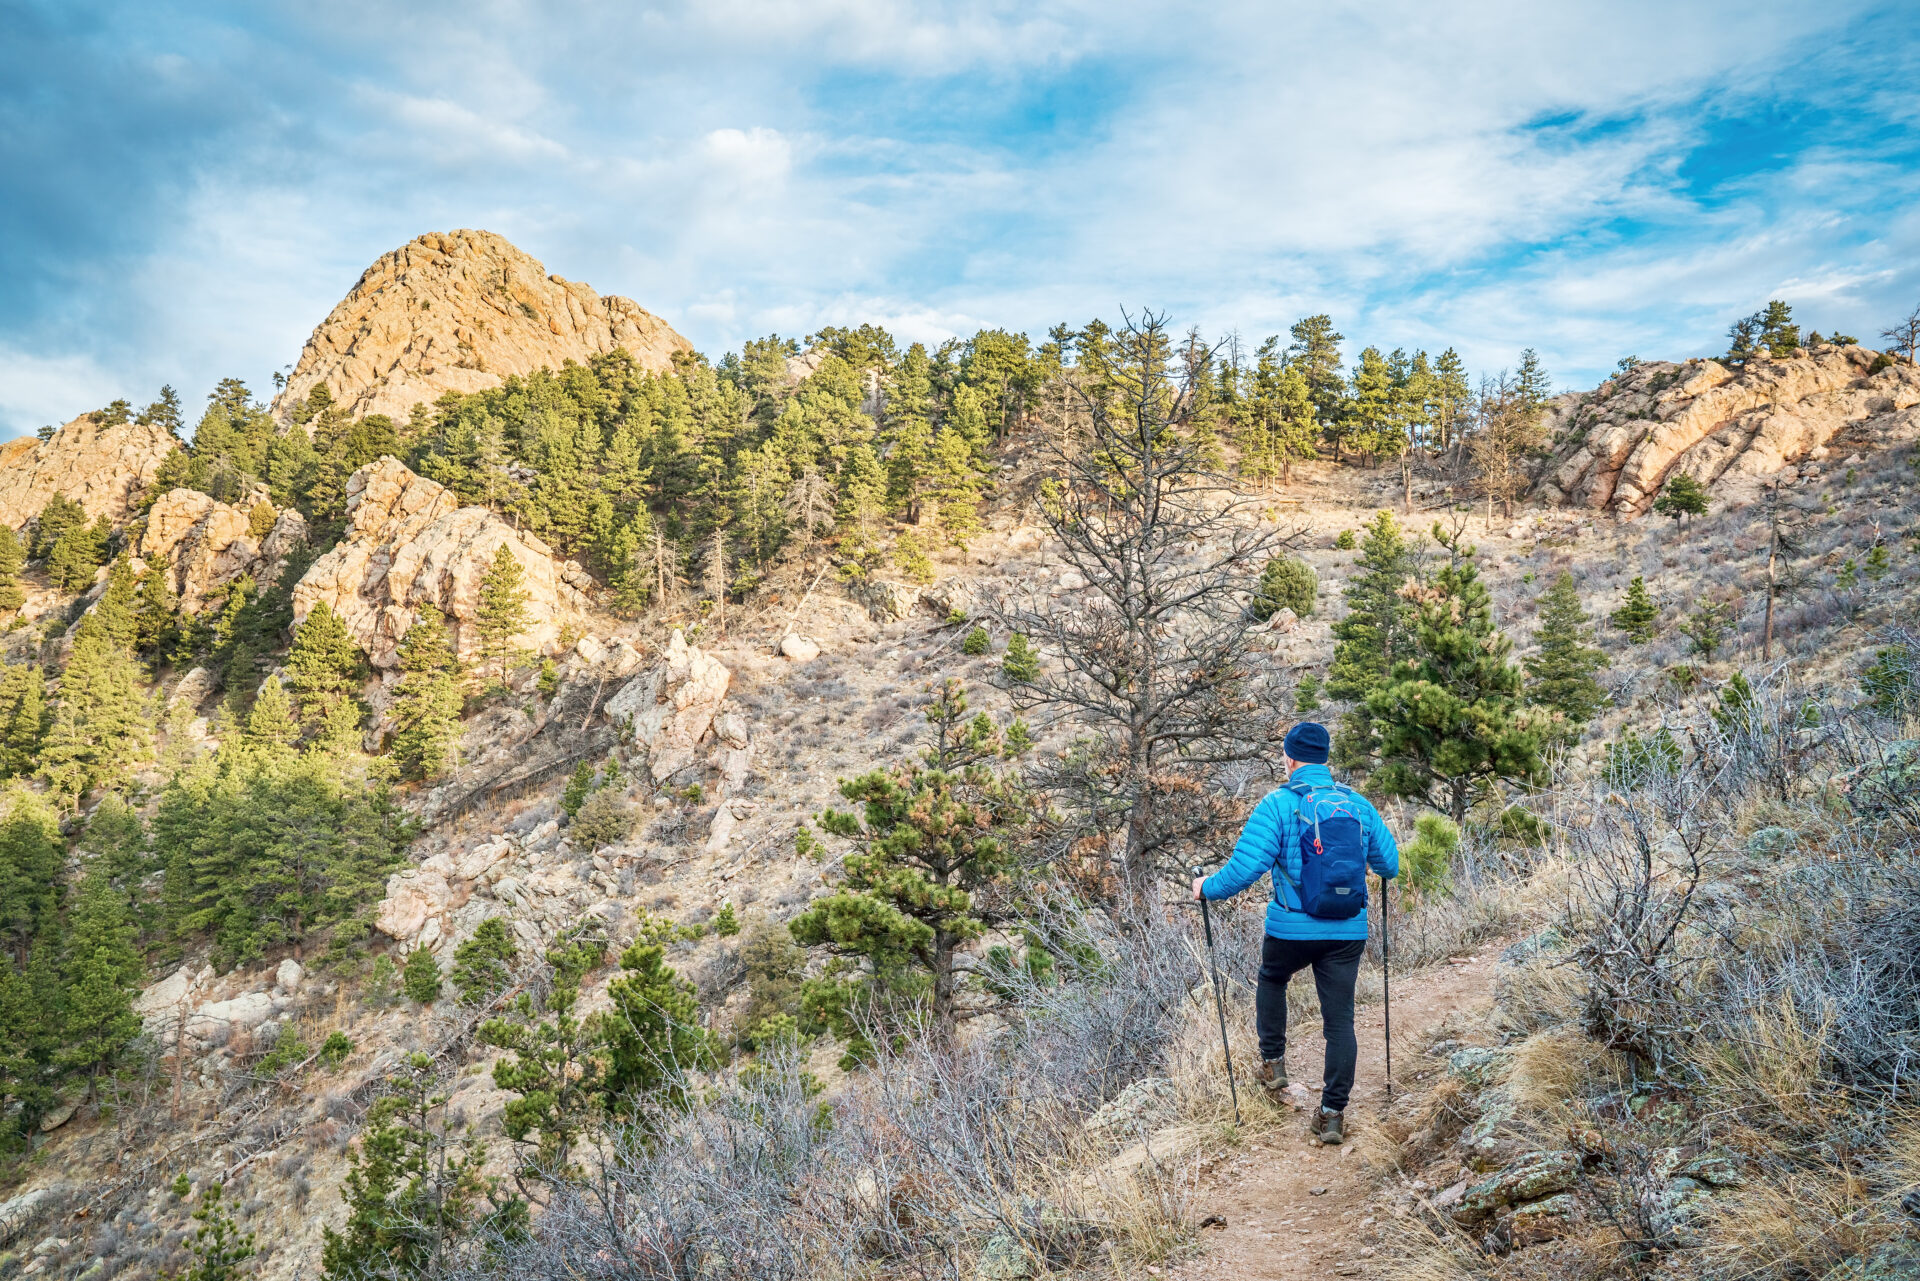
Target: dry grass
{"x": 1556, "y": 1066}
{"x": 1797, "y": 1225}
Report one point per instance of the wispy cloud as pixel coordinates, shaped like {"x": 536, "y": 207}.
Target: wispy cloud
{"x": 186, "y": 189}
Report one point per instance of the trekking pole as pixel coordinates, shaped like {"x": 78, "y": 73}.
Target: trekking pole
{"x": 1386, "y": 980}
{"x": 1219, "y": 1002}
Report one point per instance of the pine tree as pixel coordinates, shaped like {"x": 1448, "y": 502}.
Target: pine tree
{"x": 1315, "y": 352}
{"x": 1021, "y": 663}
{"x": 156, "y": 612}
{"x": 23, "y": 719}
{"x": 100, "y": 726}
{"x": 1376, "y": 631}
{"x": 1452, "y": 394}
{"x": 933, "y": 873}
{"x": 60, "y": 517}
{"x": 426, "y": 699}
{"x": 1277, "y": 419}
{"x": 555, "y": 1061}
{"x": 1682, "y": 496}
{"x": 954, "y": 487}
{"x": 480, "y": 963}
{"x": 1285, "y": 583}
{"x": 577, "y": 789}
{"x": 12, "y": 559}
{"x": 1560, "y": 674}
{"x": 324, "y": 664}
{"x": 31, "y": 858}
{"x": 502, "y": 614}
{"x": 270, "y": 722}
{"x": 420, "y": 977}
{"x": 219, "y": 1247}
{"x": 652, "y": 1033}
{"x": 1449, "y": 719}
{"x": 115, "y": 608}
{"x": 104, "y": 974}
{"x": 413, "y": 1190}
{"x": 1637, "y": 616}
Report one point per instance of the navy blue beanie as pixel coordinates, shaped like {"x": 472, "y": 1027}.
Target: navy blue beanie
{"x": 1307, "y": 743}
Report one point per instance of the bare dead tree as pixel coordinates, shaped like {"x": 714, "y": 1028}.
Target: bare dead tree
{"x": 1905, "y": 333}
{"x": 1507, "y": 434}
{"x": 1155, "y": 659}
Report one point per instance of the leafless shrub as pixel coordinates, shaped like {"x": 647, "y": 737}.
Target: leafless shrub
{"x": 923, "y": 1160}
{"x": 1639, "y": 861}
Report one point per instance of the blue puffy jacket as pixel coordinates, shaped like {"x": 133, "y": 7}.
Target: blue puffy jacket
{"x": 1270, "y": 842}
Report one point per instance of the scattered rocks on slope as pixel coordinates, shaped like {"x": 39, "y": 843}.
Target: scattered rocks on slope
{"x": 104, "y": 469}
{"x": 1618, "y": 445}
{"x": 462, "y": 311}
{"x": 210, "y": 544}
{"x": 409, "y": 543}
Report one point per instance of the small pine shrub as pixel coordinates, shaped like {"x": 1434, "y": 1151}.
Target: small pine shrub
{"x": 383, "y": 983}
{"x": 1021, "y": 662}
{"x": 1285, "y": 583}
{"x": 1306, "y": 697}
{"x": 726, "y": 923}
{"x": 1018, "y": 740}
{"x": 549, "y": 680}
{"x": 911, "y": 556}
{"x": 480, "y": 963}
{"x": 577, "y": 788}
{"x": 604, "y": 819}
{"x": 420, "y": 977}
{"x": 976, "y": 643}
{"x": 1426, "y": 862}
{"x": 1346, "y": 540}
{"x": 334, "y": 1050}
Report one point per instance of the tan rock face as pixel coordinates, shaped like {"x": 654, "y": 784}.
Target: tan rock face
{"x": 1727, "y": 428}
{"x": 104, "y": 469}
{"x": 409, "y": 543}
{"x": 209, "y": 544}
{"x": 462, "y": 311}
{"x": 671, "y": 708}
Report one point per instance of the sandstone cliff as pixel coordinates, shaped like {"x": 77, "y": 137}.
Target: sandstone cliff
{"x": 409, "y": 543}
{"x": 104, "y": 469}
{"x": 1616, "y": 446}
{"x": 209, "y": 544}
{"x": 461, "y": 311}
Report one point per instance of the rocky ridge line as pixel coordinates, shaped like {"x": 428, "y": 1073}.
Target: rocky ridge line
{"x": 1729, "y": 428}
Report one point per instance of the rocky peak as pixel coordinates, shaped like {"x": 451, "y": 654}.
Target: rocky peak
{"x": 103, "y": 468}
{"x": 1616, "y": 446}
{"x": 462, "y": 311}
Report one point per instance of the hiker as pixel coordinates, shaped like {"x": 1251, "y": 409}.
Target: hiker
{"x": 1318, "y": 914}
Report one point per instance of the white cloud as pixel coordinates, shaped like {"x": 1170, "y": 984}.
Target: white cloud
{"x": 1428, "y": 174}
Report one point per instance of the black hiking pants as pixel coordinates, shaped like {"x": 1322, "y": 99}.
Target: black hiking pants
{"x": 1336, "y": 964}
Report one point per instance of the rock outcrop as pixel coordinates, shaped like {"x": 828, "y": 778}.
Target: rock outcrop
{"x": 670, "y": 709}
{"x": 209, "y": 544}
{"x": 462, "y": 311}
{"x": 409, "y": 543}
{"x": 104, "y": 469}
{"x": 531, "y": 880}
{"x": 1616, "y": 446}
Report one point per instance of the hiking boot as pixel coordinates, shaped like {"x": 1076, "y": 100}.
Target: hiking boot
{"x": 1272, "y": 1075}
{"x": 1329, "y": 1126}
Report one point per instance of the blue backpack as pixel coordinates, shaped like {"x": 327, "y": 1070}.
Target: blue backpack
{"x": 1333, "y": 853}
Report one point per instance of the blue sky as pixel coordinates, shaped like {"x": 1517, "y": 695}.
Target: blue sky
{"x": 186, "y": 189}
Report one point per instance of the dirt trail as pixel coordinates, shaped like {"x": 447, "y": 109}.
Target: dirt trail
{"x": 1277, "y": 1229}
